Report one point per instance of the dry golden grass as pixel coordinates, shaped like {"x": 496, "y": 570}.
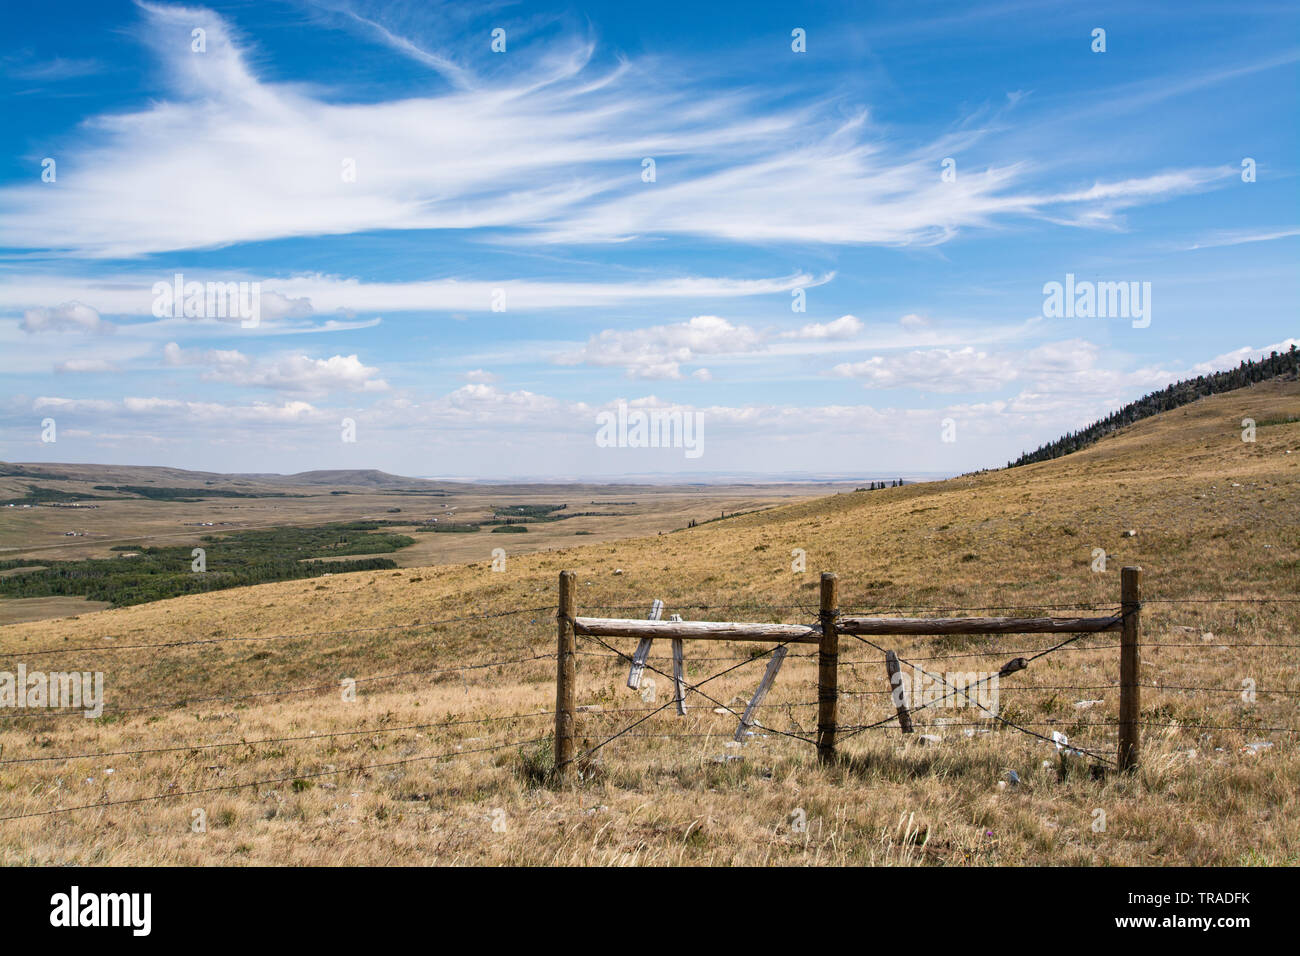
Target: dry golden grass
{"x": 1216, "y": 518}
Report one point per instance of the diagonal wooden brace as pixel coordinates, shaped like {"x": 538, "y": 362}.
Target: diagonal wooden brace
{"x": 642, "y": 652}
{"x": 764, "y": 686}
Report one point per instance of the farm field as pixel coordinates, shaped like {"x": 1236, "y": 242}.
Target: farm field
{"x": 404, "y": 716}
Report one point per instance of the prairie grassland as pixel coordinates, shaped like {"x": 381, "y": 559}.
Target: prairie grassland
{"x": 609, "y": 513}
{"x": 426, "y": 765}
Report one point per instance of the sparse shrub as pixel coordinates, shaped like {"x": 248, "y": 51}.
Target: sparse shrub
{"x": 536, "y": 763}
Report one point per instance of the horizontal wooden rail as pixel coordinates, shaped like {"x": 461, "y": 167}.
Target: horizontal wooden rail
{"x": 696, "y": 630}
{"x": 811, "y": 634}
{"x": 978, "y": 625}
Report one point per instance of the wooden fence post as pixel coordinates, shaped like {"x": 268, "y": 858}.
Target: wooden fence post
{"x": 895, "y": 692}
{"x": 828, "y": 669}
{"x": 1130, "y": 666}
{"x": 565, "y": 655}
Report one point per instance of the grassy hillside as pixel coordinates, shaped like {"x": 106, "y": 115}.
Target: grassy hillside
{"x": 1276, "y": 365}
{"x": 1216, "y": 518}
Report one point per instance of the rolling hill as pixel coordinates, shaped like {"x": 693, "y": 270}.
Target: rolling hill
{"x": 436, "y": 724}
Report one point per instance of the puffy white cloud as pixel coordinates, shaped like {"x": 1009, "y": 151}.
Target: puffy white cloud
{"x": 1056, "y": 393}
{"x": 1054, "y": 368}
{"x": 293, "y": 373}
{"x": 934, "y": 370}
{"x": 299, "y": 373}
{"x": 845, "y": 327}
{"x": 70, "y": 316}
{"x": 174, "y": 355}
{"x": 659, "y": 351}
{"x": 1246, "y": 353}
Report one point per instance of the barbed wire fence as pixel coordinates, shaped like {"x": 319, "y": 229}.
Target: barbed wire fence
{"x": 572, "y": 628}
{"x": 1119, "y": 618}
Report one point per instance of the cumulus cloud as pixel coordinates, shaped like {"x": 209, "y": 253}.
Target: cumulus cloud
{"x": 174, "y": 355}
{"x": 1068, "y": 366}
{"x": 935, "y": 370}
{"x": 1246, "y": 353}
{"x": 70, "y": 316}
{"x": 292, "y": 373}
{"x": 845, "y": 327}
{"x": 1066, "y": 394}
{"x": 658, "y": 352}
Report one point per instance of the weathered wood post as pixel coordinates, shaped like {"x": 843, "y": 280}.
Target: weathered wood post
{"x": 1130, "y": 665}
{"x": 828, "y": 669}
{"x": 565, "y": 656}
{"x": 895, "y": 692}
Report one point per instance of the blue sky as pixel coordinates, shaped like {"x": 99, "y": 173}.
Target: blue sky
{"x": 518, "y": 179}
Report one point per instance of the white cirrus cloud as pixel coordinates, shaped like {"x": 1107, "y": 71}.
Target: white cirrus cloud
{"x": 84, "y": 365}
{"x": 54, "y": 403}
{"x": 551, "y": 152}
{"x": 318, "y": 294}
{"x": 1237, "y": 237}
